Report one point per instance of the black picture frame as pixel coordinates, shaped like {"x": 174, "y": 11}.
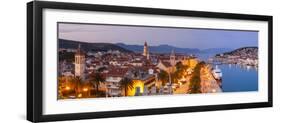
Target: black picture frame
{"x": 34, "y": 60}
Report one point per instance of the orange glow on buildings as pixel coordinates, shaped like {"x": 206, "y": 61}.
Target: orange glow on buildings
{"x": 137, "y": 84}
{"x": 191, "y": 62}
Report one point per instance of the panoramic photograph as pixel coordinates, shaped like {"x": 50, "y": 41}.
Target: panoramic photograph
{"x": 106, "y": 61}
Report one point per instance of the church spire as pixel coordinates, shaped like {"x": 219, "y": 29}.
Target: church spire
{"x": 145, "y": 50}
{"x": 173, "y": 53}
{"x": 173, "y": 58}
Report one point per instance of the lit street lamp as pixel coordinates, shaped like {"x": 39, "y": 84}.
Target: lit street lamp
{"x": 170, "y": 83}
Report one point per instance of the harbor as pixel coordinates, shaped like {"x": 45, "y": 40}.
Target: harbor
{"x": 235, "y": 75}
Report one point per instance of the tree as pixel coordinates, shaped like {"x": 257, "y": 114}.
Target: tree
{"x": 101, "y": 69}
{"x": 126, "y": 83}
{"x": 195, "y": 85}
{"x": 96, "y": 79}
{"x": 179, "y": 73}
{"x": 163, "y": 77}
{"x": 61, "y": 86}
{"x": 195, "y": 81}
{"x": 77, "y": 83}
{"x": 179, "y": 65}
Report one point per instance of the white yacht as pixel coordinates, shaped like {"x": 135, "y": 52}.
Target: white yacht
{"x": 217, "y": 73}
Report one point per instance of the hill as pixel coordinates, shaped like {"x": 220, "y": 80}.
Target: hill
{"x": 168, "y": 49}
{"x": 158, "y": 49}
{"x": 70, "y": 44}
{"x": 244, "y": 51}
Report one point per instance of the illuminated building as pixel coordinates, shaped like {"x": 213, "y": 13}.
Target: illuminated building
{"x": 173, "y": 58}
{"x": 80, "y": 63}
{"x": 191, "y": 62}
{"x": 142, "y": 79}
{"x": 113, "y": 78}
{"x": 145, "y": 51}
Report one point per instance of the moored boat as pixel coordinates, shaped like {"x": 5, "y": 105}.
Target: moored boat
{"x": 217, "y": 73}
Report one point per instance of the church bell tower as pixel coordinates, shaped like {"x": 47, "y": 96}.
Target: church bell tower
{"x": 145, "y": 50}
{"x": 173, "y": 58}
{"x": 79, "y": 63}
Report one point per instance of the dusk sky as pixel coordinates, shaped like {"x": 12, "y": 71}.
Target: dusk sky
{"x": 178, "y": 37}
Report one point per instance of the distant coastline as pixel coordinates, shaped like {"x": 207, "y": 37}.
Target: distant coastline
{"x": 164, "y": 48}
{"x": 246, "y": 56}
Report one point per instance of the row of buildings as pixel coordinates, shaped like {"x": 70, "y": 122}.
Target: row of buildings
{"x": 142, "y": 68}
{"x": 247, "y": 56}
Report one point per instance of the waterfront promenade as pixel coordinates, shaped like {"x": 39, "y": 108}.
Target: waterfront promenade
{"x": 208, "y": 82}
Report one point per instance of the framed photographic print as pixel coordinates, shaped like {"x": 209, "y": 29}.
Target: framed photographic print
{"x": 96, "y": 61}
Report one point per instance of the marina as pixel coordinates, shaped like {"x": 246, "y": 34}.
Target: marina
{"x": 233, "y": 77}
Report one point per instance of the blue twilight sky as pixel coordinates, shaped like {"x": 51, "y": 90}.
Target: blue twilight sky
{"x": 179, "y": 37}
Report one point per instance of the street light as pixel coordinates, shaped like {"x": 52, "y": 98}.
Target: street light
{"x": 170, "y": 83}
{"x": 85, "y": 89}
{"x": 67, "y": 88}
{"x": 80, "y": 95}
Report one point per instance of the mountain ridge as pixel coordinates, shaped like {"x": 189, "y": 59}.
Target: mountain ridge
{"x": 163, "y": 48}
{"x": 63, "y": 43}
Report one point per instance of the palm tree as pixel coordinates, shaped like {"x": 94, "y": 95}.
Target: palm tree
{"x": 74, "y": 84}
{"x": 96, "y": 79}
{"x": 126, "y": 83}
{"x": 77, "y": 82}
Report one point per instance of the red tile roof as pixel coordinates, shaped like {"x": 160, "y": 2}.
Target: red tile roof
{"x": 117, "y": 72}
